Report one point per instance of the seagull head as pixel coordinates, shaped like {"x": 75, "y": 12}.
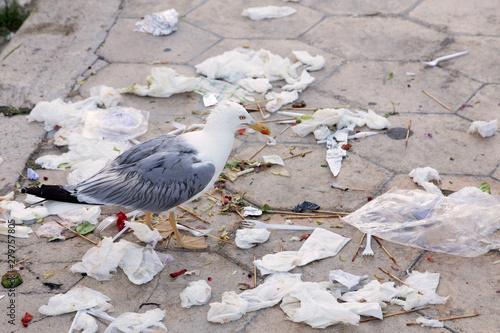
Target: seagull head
{"x": 234, "y": 116}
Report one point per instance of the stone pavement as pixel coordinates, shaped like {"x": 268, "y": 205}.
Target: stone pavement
{"x": 363, "y": 42}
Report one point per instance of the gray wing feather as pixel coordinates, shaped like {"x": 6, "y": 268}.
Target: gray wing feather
{"x": 154, "y": 176}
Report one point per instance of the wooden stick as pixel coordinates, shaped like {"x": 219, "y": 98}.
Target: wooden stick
{"x": 329, "y": 212}
{"x": 281, "y": 247}
{"x": 407, "y": 134}
{"x": 383, "y": 248}
{"x": 258, "y": 151}
{"x": 214, "y": 237}
{"x": 449, "y": 318}
{"x": 18, "y": 262}
{"x": 260, "y": 109}
{"x": 311, "y": 216}
{"x": 295, "y": 155}
{"x": 283, "y": 131}
{"x": 242, "y": 217}
{"x": 256, "y": 101}
{"x": 185, "y": 128}
{"x": 437, "y": 101}
{"x": 401, "y": 281}
{"x": 254, "y": 273}
{"x": 303, "y": 109}
{"x": 79, "y": 234}
{"x": 359, "y": 245}
{"x": 394, "y": 314}
{"x": 274, "y": 120}
{"x": 148, "y": 221}
{"x": 168, "y": 240}
{"x": 194, "y": 214}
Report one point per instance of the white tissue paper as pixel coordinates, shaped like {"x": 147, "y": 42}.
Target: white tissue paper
{"x": 313, "y": 63}
{"x": 421, "y": 175}
{"x": 424, "y": 322}
{"x": 346, "y": 279}
{"x": 158, "y": 24}
{"x": 78, "y": 216}
{"x": 78, "y": 298}
{"x": 19, "y": 213}
{"x": 280, "y": 99}
{"x": 19, "y": 231}
{"x": 197, "y": 293}
{"x": 260, "y": 86}
{"x": 301, "y": 83}
{"x": 373, "y": 292}
{"x": 260, "y": 13}
{"x": 149, "y": 321}
{"x": 321, "y": 244}
{"x": 484, "y": 128}
{"x": 248, "y": 238}
{"x": 86, "y": 323}
{"x": 144, "y": 234}
{"x": 142, "y": 264}
{"x": 230, "y": 309}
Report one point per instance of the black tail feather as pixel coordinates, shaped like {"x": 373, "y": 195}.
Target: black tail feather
{"x": 51, "y": 192}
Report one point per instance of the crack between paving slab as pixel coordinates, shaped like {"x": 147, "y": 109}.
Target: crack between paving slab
{"x": 405, "y": 12}
{"x": 415, "y": 261}
{"x": 243, "y": 329}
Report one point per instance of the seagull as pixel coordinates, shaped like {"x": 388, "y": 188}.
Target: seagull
{"x": 162, "y": 173}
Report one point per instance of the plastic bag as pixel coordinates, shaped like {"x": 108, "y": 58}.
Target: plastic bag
{"x": 466, "y": 223}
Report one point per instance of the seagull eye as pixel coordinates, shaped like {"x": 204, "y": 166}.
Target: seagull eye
{"x": 243, "y": 117}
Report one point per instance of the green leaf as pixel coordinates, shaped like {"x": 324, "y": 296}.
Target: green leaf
{"x": 265, "y": 208}
{"x": 85, "y": 228}
{"x": 116, "y": 149}
{"x": 391, "y": 75}
{"x": 485, "y": 187}
{"x": 232, "y": 165}
{"x": 341, "y": 259}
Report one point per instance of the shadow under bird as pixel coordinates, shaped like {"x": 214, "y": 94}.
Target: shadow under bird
{"x": 159, "y": 174}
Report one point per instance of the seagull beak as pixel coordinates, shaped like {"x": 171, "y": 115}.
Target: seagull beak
{"x": 260, "y": 128}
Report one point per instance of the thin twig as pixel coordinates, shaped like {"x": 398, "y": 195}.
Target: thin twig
{"x": 168, "y": 240}
{"x": 396, "y": 278}
{"x": 437, "y": 101}
{"x": 274, "y": 120}
{"x": 260, "y": 109}
{"x": 311, "y": 216}
{"x": 254, "y": 273}
{"x": 18, "y": 262}
{"x": 303, "y": 109}
{"x": 329, "y": 212}
{"x": 194, "y": 214}
{"x": 283, "y": 131}
{"x": 449, "y": 318}
{"x": 185, "y": 128}
{"x": 359, "y": 245}
{"x": 258, "y": 151}
{"x": 79, "y": 234}
{"x": 295, "y": 155}
{"x": 256, "y": 101}
{"x": 383, "y": 248}
{"x": 407, "y": 134}
{"x": 239, "y": 214}
{"x": 281, "y": 247}
{"x": 394, "y": 314}
{"x": 205, "y": 234}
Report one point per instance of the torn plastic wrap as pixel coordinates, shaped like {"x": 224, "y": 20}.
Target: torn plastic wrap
{"x": 334, "y": 151}
{"x": 150, "y": 321}
{"x": 197, "y": 293}
{"x": 78, "y": 298}
{"x": 466, "y": 223}
{"x": 248, "y": 238}
{"x": 267, "y": 12}
{"x": 312, "y": 63}
{"x": 116, "y": 124}
{"x": 158, "y": 24}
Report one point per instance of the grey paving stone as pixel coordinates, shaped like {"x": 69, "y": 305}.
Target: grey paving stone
{"x": 484, "y": 105}
{"x": 358, "y": 7}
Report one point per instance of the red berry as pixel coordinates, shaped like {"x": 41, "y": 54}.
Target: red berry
{"x": 370, "y": 198}
{"x": 209, "y": 279}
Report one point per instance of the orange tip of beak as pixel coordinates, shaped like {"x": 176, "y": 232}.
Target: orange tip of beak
{"x": 260, "y": 128}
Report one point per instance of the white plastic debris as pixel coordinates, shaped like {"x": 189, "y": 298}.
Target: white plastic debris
{"x": 19, "y": 230}
{"x": 85, "y": 169}
{"x": 258, "y": 85}
{"x": 335, "y": 151}
{"x": 53, "y": 230}
{"x": 373, "y": 292}
{"x": 142, "y": 264}
{"x": 313, "y": 63}
{"x": 280, "y": 99}
{"x": 8, "y": 197}
{"x": 150, "y": 321}
{"x": 424, "y": 322}
{"x": 260, "y": 13}
{"x": 251, "y": 211}
{"x": 211, "y": 99}
{"x": 421, "y": 175}
{"x": 248, "y": 238}
{"x": 322, "y": 132}
{"x": 116, "y": 124}
{"x": 231, "y": 308}
{"x": 107, "y": 96}
{"x": 484, "y": 128}
{"x": 346, "y": 279}
{"x": 320, "y": 244}
{"x": 78, "y": 216}
{"x": 86, "y": 323}
{"x": 301, "y": 83}
{"x": 78, "y": 298}
{"x": 197, "y": 293}
{"x": 464, "y": 223}
{"x": 158, "y": 24}
{"x": 19, "y": 213}
{"x": 144, "y": 234}
{"x": 273, "y": 159}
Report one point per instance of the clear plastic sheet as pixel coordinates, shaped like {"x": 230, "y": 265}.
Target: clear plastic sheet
{"x": 466, "y": 223}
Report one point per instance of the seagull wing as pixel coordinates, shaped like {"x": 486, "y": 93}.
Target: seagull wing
{"x": 154, "y": 176}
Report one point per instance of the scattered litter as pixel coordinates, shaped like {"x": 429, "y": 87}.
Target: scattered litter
{"x": 346, "y": 279}
{"x": 8, "y": 197}
{"x": 268, "y": 12}
{"x": 77, "y": 216}
{"x": 84, "y": 321}
{"x": 150, "y": 321}
{"x": 398, "y": 133}
{"x": 304, "y": 80}
{"x": 78, "y": 298}
{"x": 463, "y": 223}
{"x": 11, "y": 279}
{"x": 251, "y": 211}
{"x": 193, "y": 272}
{"x": 484, "y": 128}
{"x": 425, "y": 283}
{"x": 31, "y": 174}
{"x": 144, "y": 234}
{"x": 422, "y": 175}
{"x": 448, "y": 57}
{"x": 322, "y": 132}
{"x": 197, "y": 293}
{"x": 306, "y": 205}
{"x": 158, "y": 24}
{"x": 19, "y": 230}
{"x": 14, "y": 210}
{"x": 277, "y": 100}
{"x": 115, "y": 124}
{"x": 424, "y": 322}
{"x": 320, "y": 244}
{"x": 273, "y": 159}
{"x": 211, "y": 99}
{"x": 373, "y": 292}
{"x": 313, "y": 63}
{"x": 283, "y": 172}
{"x": 258, "y": 85}
{"x": 230, "y": 309}
{"x": 248, "y": 238}
{"x": 176, "y": 274}
{"x": 53, "y": 231}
